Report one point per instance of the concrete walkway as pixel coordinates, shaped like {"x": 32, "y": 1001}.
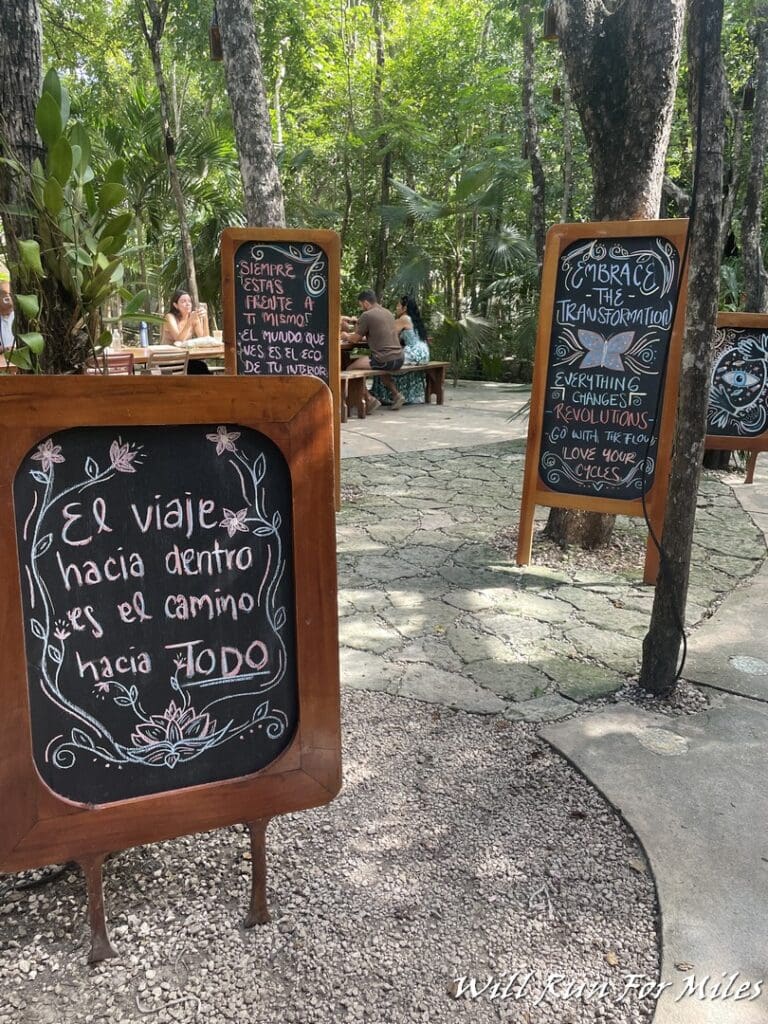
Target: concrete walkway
{"x": 432, "y": 606}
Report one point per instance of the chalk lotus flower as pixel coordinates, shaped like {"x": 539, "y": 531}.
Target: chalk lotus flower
{"x": 174, "y": 736}
{"x": 234, "y": 521}
{"x": 224, "y": 439}
{"x": 48, "y": 453}
{"x": 121, "y": 457}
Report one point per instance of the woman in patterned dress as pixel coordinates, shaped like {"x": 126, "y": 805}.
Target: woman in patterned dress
{"x": 413, "y": 338}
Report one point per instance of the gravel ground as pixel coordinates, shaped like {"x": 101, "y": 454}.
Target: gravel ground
{"x": 461, "y": 846}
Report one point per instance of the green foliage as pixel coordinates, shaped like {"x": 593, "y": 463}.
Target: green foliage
{"x": 458, "y": 341}
{"x": 75, "y": 263}
{"x": 444, "y": 107}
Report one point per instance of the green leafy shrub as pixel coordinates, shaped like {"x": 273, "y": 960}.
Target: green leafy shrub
{"x": 69, "y": 271}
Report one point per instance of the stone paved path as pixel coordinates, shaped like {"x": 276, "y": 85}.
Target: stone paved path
{"x": 431, "y": 607}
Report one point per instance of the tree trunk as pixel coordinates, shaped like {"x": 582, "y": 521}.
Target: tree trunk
{"x": 733, "y": 174}
{"x": 538, "y": 192}
{"x": 20, "y": 82}
{"x": 384, "y": 150}
{"x": 662, "y": 644}
{"x": 755, "y": 279}
{"x": 622, "y": 66}
{"x": 566, "y": 211}
{"x": 264, "y": 205}
{"x": 153, "y": 31}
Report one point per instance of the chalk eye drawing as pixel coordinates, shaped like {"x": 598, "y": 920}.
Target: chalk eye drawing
{"x": 739, "y": 379}
{"x": 605, "y": 352}
{"x": 738, "y": 394}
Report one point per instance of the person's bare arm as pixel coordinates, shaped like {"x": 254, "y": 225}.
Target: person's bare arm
{"x": 176, "y": 332}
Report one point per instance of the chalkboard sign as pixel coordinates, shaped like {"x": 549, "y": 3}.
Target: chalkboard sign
{"x": 607, "y": 362}
{"x": 280, "y": 292}
{"x": 158, "y": 606}
{"x": 737, "y": 416}
{"x": 614, "y": 303}
{"x": 170, "y": 649}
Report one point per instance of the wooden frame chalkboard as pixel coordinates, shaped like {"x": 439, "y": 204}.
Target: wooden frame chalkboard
{"x": 737, "y": 417}
{"x": 268, "y": 442}
{"x": 280, "y": 293}
{"x": 606, "y": 350}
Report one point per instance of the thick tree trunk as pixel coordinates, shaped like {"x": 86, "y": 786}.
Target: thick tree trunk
{"x": 662, "y": 644}
{"x": 250, "y": 114}
{"x": 622, "y": 66}
{"x": 538, "y": 192}
{"x": 755, "y": 279}
{"x": 153, "y": 31}
{"x": 382, "y": 247}
{"x": 566, "y": 210}
{"x": 20, "y": 81}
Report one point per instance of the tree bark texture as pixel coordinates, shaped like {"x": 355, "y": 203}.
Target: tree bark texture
{"x": 622, "y": 66}
{"x": 382, "y": 247}
{"x": 733, "y": 171}
{"x": 20, "y": 82}
{"x": 152, "y": 19}
{"x": 755, "y": 279}
{"x": 566, "y": 208}
{"x": 538, "y": 193}
{"x": 264, "y": 206}
{"x": 662, "y": 644}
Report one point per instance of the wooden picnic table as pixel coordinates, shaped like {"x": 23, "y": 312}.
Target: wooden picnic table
{"x": 215, "y": 350}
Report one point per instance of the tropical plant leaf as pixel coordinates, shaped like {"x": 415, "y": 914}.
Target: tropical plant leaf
{"x": 29, "y": 305}
{"x": 53, "y": 197}
{"x": 48, "y": 119}
{"x": 35, "y": 342}
{"x": 60, "y": 160}
{"x": 420, "y": 207}
{"x": 29, "y": 250}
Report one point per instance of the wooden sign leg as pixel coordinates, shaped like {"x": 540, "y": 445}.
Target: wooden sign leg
{"x": 101, "y": 947}
{"x": 525, "y": 533}
{"x": 651, "y": 570}
{"x": 751, "y": 463}
{"x": 258, "y": 911}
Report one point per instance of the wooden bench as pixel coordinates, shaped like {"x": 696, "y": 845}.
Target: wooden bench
{"x": 353, "y": 385}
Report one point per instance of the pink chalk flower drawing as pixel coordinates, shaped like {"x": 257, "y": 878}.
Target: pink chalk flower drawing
{"x": 235, "y": 521}
{"x": 121, "y": 457}
{"x": 174, "y": 736}
{"x": 47, "y": 453}
{"x": 224, "y": 440}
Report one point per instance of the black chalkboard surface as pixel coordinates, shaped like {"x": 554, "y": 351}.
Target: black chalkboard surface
{"x": 614, "y": 303}
{"x": 157, "y": 584}
{"x": 738, "y": 395}
{"x": 281, "y": 294}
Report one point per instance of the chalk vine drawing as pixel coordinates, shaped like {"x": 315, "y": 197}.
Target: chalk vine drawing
{"x": 556, "y": 468}
{"x": 311, "y": 256}
{"x": 182, "y": 731}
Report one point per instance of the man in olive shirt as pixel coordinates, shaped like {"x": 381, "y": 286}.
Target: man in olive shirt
{"x": 376, "y": 327}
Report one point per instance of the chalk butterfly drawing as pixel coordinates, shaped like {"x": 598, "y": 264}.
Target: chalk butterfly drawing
{"x": 605, "y": 352}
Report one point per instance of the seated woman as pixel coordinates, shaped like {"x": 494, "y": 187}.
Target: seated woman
{"x": 413, "y": 338}
{"x": 183, "y": 323}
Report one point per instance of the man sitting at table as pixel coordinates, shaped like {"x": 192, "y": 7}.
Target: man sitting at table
{"x": 376, "y": 328}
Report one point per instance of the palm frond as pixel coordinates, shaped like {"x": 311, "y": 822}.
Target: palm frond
{"x": 419, "y": 207}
